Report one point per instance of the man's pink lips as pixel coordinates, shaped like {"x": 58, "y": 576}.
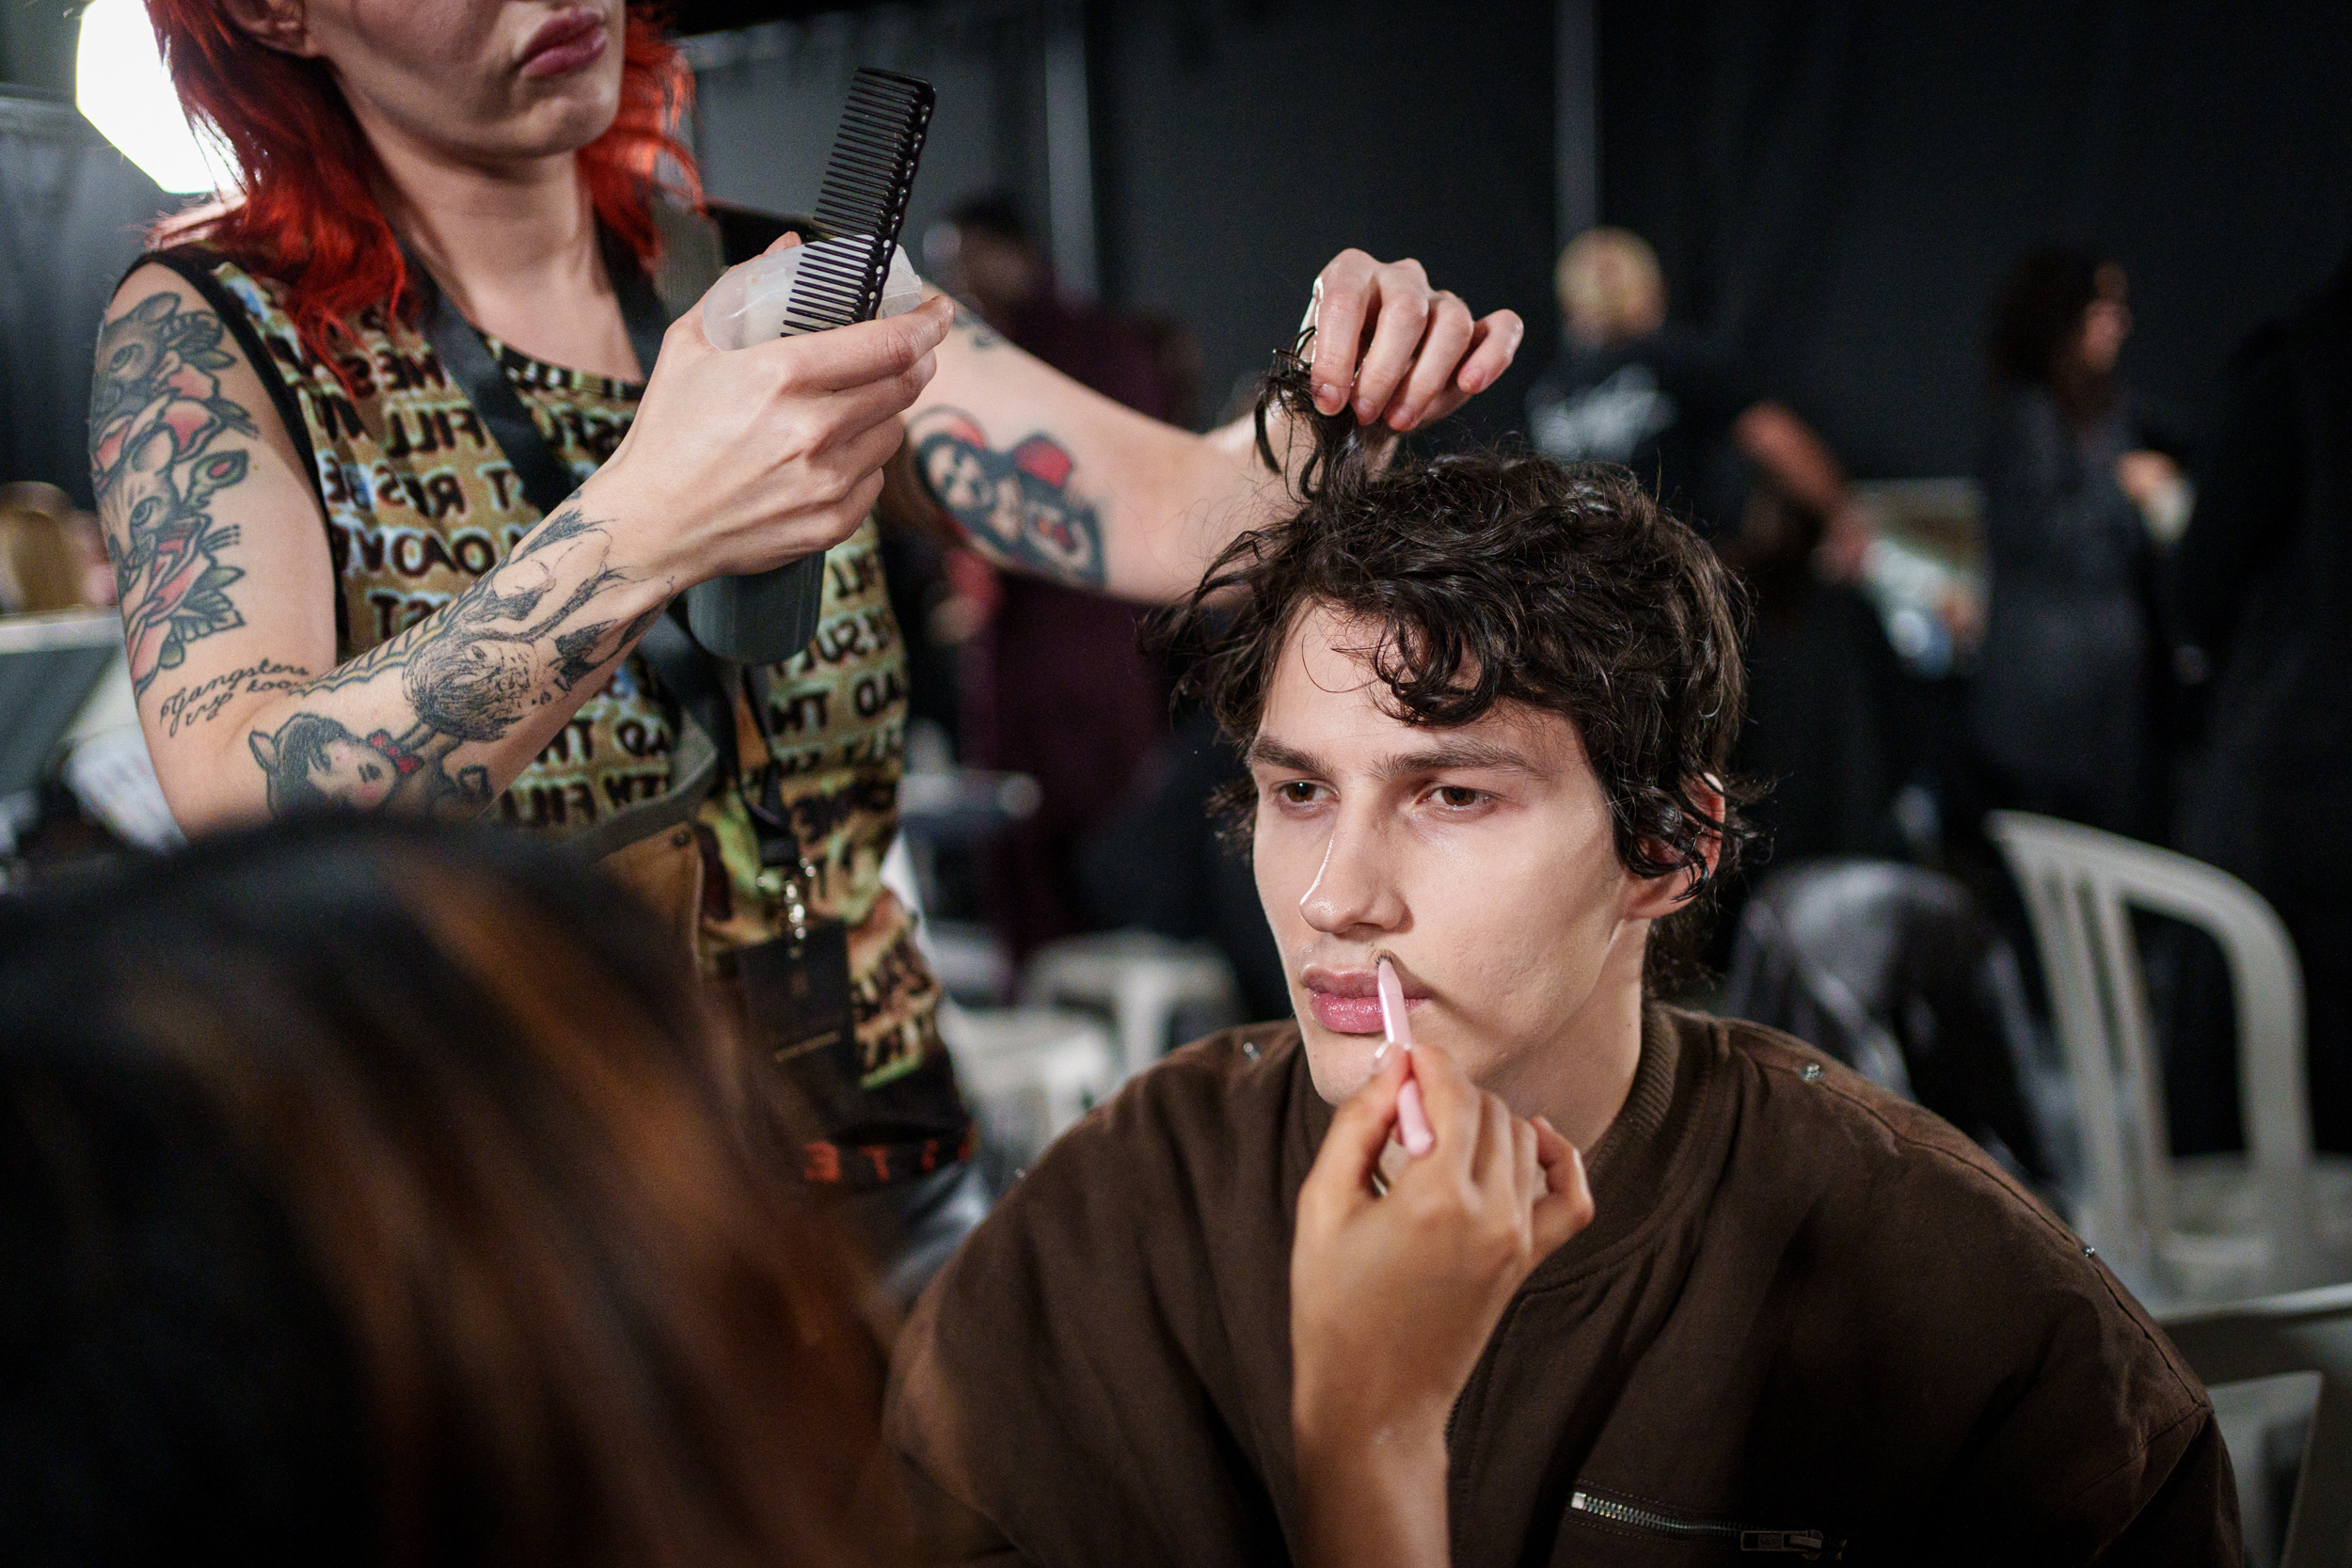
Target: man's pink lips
{"x": 565, "y": 43}
{"x": 1347, "y": 1001}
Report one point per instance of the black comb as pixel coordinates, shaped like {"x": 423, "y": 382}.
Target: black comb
{"x": 768, "y": 617}
{"x": 863, "y": 203}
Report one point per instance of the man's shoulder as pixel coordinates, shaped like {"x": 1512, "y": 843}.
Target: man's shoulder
{"x": 1922, "y": 1223}
{"x": 1204, "y": 1103}
{"x": 1816, "y": 1114}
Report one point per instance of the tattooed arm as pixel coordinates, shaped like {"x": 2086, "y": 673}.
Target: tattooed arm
{"x": 1036, "y": 473}
{"x": 736, "y": 462}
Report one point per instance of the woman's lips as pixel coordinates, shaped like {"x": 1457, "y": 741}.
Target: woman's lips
{"x": 564, "y": 44}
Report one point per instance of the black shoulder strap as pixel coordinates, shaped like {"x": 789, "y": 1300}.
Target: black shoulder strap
{"x": 466, "y": 358}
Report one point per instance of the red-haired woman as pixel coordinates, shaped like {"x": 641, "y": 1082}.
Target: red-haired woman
{"x": 337, "y": 592}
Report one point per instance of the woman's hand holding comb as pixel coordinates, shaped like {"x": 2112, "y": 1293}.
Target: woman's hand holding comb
{"x": 741, "y": 462}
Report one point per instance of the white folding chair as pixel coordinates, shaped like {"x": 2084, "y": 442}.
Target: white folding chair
{"x": 1028, "y": 1073}
{"x": 1142, "y": 980}
{"x": 2309, "y": 1331}
{"x": 2217, "y": 1226}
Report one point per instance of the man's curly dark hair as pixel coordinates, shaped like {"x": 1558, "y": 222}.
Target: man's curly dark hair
{"x": 1497, "y": 577}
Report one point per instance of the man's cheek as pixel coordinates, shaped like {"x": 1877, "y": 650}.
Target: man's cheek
{"x": 1283, "y": 871}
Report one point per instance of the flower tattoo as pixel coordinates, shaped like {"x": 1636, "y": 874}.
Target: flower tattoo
{"x": 156, "y": 409}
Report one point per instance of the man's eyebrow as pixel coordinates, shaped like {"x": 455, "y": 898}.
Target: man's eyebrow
{"x": 1462, "y": 753}
{"x": 1281, "y": 759}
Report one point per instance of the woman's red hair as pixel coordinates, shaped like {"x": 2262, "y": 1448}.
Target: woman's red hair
{"x": 306, "y": 213}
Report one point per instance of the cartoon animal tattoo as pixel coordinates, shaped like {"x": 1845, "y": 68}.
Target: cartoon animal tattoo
{"x": 470, "y": 674}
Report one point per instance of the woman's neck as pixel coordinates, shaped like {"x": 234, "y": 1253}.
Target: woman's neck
{"x": 514, "y": 243}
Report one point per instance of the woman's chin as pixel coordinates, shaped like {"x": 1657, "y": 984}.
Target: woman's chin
{"x": 576, "y": 112}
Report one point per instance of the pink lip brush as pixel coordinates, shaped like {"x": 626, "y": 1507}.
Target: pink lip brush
{"x": 1412, "y": 1120}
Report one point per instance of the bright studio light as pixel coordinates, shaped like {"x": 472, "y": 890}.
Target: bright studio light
{"x": 120, "y": 86}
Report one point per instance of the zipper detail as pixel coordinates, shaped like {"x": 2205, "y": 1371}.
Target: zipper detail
{"x": 1807, "y": 1544}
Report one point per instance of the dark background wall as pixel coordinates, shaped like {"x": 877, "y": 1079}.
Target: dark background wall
{"x": 1836, "y": 185}
{"x": 768, "y": 100}
{"x": 1243, "y": 145}
{"x": 1839, "y": 187}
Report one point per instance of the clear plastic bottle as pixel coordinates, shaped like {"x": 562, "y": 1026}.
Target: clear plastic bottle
{"x": 768, "y": 617}
{"x": 746, "y": 306}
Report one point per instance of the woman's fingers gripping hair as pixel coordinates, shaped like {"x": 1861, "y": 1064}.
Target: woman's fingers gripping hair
{"x": 1343, "y": 299}
{"x": 1442, "y": 345}
{"x": 1403, "y": 297}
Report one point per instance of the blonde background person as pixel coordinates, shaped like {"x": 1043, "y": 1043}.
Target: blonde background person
{"x": 1633, "y": 387}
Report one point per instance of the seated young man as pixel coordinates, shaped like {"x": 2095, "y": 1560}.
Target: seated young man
{"x": 1485, "y": 701}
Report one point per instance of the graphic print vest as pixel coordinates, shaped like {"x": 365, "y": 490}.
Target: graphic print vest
{"x": 420, "y": 501}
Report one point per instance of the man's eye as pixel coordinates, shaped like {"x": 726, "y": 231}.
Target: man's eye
{"x": 1297, "y": 792}
{"x": 1460, "y": 797}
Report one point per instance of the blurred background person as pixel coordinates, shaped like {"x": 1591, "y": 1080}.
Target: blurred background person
{"x": 1633, "y": 387}
{"x": 2260, "y": 586}
{"x": 1051, "y": 682}
{"x": 1830, "y": 724}
{"x": 52, "y": 557}
{"x": 2076, "y": 481}
{"x": 380, "y": 1201}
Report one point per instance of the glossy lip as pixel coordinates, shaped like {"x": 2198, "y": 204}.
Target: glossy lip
{"x": 1347, "y": 1001}
{"x": 565, "y": 43}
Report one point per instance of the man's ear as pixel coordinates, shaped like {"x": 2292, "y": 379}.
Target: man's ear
{"x": 282, "y": 24}
{"x": 1656, "y": 897}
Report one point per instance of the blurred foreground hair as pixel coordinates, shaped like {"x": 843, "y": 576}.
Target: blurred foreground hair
{"x": 369, "y": 1195}
{"x": 1492, "y": 578}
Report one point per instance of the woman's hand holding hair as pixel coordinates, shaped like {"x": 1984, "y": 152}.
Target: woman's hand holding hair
{"x": 1393, "y": 1299}
{"x": 742, "y": 461}
{"x": 1399, "y": 352}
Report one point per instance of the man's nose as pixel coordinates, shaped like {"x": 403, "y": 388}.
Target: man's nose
{"x": 1355, "y": 889}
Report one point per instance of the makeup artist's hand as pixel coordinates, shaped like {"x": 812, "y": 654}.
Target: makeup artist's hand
{"x": 1393, "y": 1299}
{"x": 1402, "y": 352}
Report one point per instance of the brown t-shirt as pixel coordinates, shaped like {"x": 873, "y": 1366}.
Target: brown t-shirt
{"x": 1804, "y": 1309}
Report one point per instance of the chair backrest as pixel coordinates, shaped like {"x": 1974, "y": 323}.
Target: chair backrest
{"x": 2079, "y": 886}
{"x": 1893, "y": 969}
{"x": 2306, "y": 1331}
